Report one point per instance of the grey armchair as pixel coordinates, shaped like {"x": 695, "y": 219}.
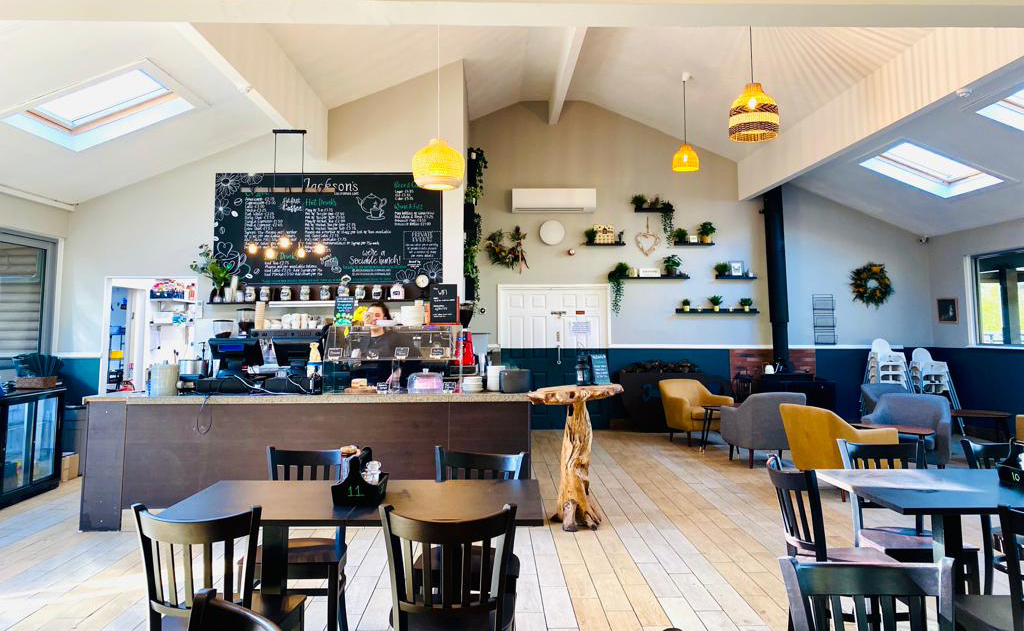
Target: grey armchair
{"x": 870, "y": 393}
{"x": 757, "y": 424}
{"x": 920, "y": 410}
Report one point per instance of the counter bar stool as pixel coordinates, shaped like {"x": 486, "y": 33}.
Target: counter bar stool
{"x": 164, "y": 543}
{"x": 987, "y": 456}
{"x": 210, "y": 613}
{"x": 458, "y": 599}
{"x": 314, "y": 557}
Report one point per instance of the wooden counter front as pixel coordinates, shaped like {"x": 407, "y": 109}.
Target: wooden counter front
{"x": 159, "y": 452}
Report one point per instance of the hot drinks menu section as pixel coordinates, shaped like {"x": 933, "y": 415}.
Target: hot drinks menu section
{"x": 371, "y": 227}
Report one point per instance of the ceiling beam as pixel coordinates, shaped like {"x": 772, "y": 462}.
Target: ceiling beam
{"x": 249, "y": 56}
{"x": 935, "y": 13}
{"x": 909, "y": 85}
{"x": 571, "y": 46}
{"x": 39, "y": 199}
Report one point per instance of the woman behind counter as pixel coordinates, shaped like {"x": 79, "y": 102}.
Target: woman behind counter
{"x": 382, "y": 341}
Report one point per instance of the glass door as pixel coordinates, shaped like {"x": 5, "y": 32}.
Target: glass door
{"x": 19, "y": 446}
{"x": 26, "y": 297}
{"x": 45, "y": 439}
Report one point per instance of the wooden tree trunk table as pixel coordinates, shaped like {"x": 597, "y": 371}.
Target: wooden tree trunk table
{"x": 575, "y": 504}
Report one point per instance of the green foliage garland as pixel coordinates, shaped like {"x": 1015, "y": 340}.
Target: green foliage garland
{"x": 615, "y": 277}
{"x": 871, "y": 285}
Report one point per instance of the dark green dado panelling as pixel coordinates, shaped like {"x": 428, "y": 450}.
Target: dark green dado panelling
{"x": 80, "y": 374}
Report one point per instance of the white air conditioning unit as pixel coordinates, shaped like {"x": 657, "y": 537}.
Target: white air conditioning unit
{"x": 554, "y": 200}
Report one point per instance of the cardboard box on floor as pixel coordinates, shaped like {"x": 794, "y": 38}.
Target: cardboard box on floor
{"x": 68, "y": 467}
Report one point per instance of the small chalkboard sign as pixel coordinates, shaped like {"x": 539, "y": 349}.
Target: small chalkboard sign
{"x": 599, "y": 370}
{"x": 344, "y": 307}
{"x": 444, "y": 304}
{"x": 1010, "y": 470}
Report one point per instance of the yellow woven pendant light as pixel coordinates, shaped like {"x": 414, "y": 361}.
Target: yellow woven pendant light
{"x": 685, "y": 158}
{"x": 437, "y": 166}
{"x": 754, "y": 115}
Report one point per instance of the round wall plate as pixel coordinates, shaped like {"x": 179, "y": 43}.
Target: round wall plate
{"x": 552, "y": 232}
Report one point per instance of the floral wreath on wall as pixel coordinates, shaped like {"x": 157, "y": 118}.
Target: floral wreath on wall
{"x": 509, "y": 256}
{"x": 871, "y": 285}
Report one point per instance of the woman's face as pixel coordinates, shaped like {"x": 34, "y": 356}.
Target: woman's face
{"x": 372, "y": 315}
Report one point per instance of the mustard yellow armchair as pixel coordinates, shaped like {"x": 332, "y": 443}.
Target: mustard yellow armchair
{"x": 1020, "y": 427}
{"x": 812, "y": 434}
{"x": 683, "y": 400}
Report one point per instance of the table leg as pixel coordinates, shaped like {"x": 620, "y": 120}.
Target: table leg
{"x": 948, "y": 541}
{"x": 273, "y": 574}
{"x": 705, "y": 430}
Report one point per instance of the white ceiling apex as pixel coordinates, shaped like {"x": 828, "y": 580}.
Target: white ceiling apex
{"x": 250, "y": 57}
{"x": 908, "y": 85}
{"x": 571, "y": 45}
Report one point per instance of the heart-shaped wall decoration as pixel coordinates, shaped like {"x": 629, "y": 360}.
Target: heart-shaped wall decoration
{"x": 647, "y": 241}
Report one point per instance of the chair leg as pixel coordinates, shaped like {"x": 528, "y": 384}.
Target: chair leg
{"x": 750, "y": 458}
{"x": 780, "y": 454}
{"x": 332, "y": 598}
{"x": 731, "y": 448}
{"x": 689, "y": 439}
{"x": 973, "y": 578}
{"x": 670, "y": 436}
{"x": 342, "y": 610}
{"x": 986, "y": 539}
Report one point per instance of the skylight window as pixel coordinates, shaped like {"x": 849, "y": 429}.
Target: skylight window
{"x": 929, "y": 171}
{"x": 1008, "y": 111}
{"x": 90, "y": 114}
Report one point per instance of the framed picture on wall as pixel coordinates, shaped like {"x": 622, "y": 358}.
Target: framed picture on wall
{"x": 949, "y": 313}
{"x": 736, "y": 268}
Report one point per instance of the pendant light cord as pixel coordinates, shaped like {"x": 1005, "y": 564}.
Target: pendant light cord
{"x": 684, "y": 112}
{"x": 750, "y": 41}
{"x": 438, "y": 39}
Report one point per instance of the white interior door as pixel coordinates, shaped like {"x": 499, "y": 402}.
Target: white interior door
{"x": 546, "y": 316}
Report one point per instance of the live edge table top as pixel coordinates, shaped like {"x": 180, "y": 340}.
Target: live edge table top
{"x": 309, "y": 503}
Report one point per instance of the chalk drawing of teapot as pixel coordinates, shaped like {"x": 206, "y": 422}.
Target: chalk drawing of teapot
{"x": 373, "y": 206}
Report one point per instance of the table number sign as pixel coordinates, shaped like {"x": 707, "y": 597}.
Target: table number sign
{"x": 1011, "y": 470}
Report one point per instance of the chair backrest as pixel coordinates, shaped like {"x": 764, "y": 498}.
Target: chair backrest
{"x": 800, "y": 504}
{"x": 165, "y": 543}
{"x": 865, "y": 456}
{"x": 871, "y": 392}
{"x": 689, "y": 389}
{"x": 906, "y": 408}
{"x": 984, "y": 455}
{"x": 210, "y": 613}
{"x": 814, "y": 590}
{"x": 324, "y": 464}
{"x": 457, "y": 599}
{"x": 1012, "y": 522}
{"x": 461, "y": 465}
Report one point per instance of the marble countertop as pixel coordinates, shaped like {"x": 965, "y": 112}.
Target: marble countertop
{"x": 135, "y": 398}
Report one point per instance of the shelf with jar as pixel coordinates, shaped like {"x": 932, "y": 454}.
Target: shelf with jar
{"x": 323, "y": 295}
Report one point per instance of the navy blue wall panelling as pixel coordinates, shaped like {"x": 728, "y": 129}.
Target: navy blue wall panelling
{"x": 986, "y": 378}
{"x": 80, "y": 375}
{"x": 845, "y": 366}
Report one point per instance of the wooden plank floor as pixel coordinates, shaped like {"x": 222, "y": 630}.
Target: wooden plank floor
{"x": 691, "y": 540}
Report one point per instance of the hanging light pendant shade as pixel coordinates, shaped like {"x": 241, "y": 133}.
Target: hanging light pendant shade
{"x": 685, "y": 158}
{"x": 437, "y": 166}
{"x": 754, "y": 115}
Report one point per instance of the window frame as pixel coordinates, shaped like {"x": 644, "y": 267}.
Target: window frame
{"x": 49, "y": 292}
{"x": 976, "y": 294}
{"x": 935, "y": 187}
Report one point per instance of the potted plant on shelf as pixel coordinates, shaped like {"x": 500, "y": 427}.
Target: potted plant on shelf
{"x": 679, "y": 236}
{"x": 207, "y": 265}
{"x": 638, "y": 201}
{"x": 591, "y": 235}
{"x": 619, "y": 272}
{"x": 672, "y": 265}
{"x": 686, "y": 304}
{"x": 716, "y": 302}
{"x": 705, "y": 231}
{"x": 746, "y": 303}
{"x": 721, "y": 269}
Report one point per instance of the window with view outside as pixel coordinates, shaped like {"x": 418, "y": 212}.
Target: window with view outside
{"x": 999, "y": 280}
{"x": 22, "y": 279}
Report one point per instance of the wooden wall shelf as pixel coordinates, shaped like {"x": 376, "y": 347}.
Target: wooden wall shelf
{"x": 733, "y": 277}
{"x": 738, "y": 311}
{"x": 605, "y": 245}
{"x": 683, "y": 277}
{"x": 691, "y": 245}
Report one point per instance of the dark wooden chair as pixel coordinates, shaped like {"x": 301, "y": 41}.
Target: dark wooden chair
{"x": 461, "y": 465}
{"x": 455, "y": 598}
{"x": 987, "y": 456}
{"x": 881, "y": 594}
{"x": 903, "y": 543}
{"x": 998, "y": 613}
{"x": 803, "y": 524}
{"x": 314, "y": 557}
{"x": 164, "y": 543}
{"x": 210, "y": 613}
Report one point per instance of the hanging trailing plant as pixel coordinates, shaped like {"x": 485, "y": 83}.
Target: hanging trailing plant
{"x": 511, "y": 255}
{"x": 871, "y": 285}
{"x": 668, "y": 214}
{"x": 472, "y": 195}
{"x": 615, "y": 278}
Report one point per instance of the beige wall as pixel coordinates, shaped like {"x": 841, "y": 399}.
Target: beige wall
{"x": 21, "y": 215}
{"x": 154, "y": 227}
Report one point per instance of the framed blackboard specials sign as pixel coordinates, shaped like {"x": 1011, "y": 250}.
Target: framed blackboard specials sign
{"x": 444, "y": 304}
{"x": 599, "y": 370}
{"x": 292, "y": 228}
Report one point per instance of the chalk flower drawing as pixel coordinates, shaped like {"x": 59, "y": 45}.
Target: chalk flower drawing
{"x": 220, "y": 209}
{"x": 251, "y": 179}
{"x": 227, "y": 184}
{"x": 432, "y": 269}
{"x": 405, "y": 275}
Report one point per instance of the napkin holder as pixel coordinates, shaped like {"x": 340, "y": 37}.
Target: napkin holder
{"x": 1011, "y": 470}
{"x": 354, "y": 490}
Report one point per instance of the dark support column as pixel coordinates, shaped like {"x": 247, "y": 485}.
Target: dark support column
{"x": 775, "y": 260}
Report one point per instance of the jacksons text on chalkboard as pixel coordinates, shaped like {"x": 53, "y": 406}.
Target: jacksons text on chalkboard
{"x": 374, "y": 227}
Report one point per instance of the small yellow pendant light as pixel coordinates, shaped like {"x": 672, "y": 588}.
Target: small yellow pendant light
{"x": 685, "y": 159}
{"x": 754, "y": 115}
{"x": 437, "y": 166}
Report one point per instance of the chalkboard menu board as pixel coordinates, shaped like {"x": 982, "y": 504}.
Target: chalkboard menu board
{"x": 444, "y": 304}
{"x": 372, "y": 227}
{"x": 599, "y": 370}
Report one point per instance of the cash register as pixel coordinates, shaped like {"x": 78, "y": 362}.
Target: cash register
{"x": 234, "y": 356}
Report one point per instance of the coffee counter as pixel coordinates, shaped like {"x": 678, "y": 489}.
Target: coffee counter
{"x": 159, "y": 450}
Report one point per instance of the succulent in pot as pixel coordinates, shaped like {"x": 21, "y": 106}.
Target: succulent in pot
{"x": 686, "y": 304}
{"x": 746, "y": 303}
{"x": 722, "y": 269}
{"x": 716, "y": 302}
{"x": 705, "y": 230}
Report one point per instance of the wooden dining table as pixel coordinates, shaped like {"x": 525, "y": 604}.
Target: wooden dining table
{"x": 296, "y": 503}
{"x": 945, "y": 495}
